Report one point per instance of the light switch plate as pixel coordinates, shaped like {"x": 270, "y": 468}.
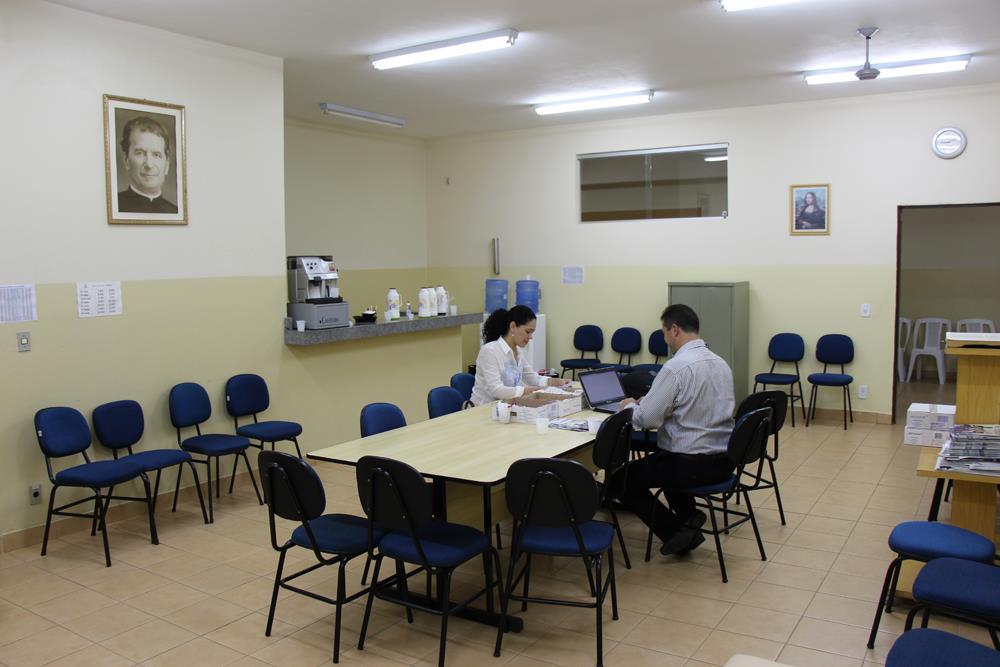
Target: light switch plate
{"x": 866, "y": 310}
{"x": 23, "y": 341}
{"x": 863, "y": 391}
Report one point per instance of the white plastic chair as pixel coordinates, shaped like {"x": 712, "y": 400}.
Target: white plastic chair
{"x": 931, "y": 345}
{"x": 905, "y": 328}
{"x": 974, "y": 325}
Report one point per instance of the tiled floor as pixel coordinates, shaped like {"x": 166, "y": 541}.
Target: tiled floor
{"x": 201, "y": 596}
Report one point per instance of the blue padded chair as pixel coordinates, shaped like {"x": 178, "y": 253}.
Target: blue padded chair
{"x": 657, "y": 346}
{"x": 963, "y": 589}
{"x": 785, "y": 348}
{"x": 586, "y": 338}
{"x": 247, "y": 395}
{"x": 190, "y": 406}
{"x": 553, "y": 502}
{"x": 626, "y": 341}
{"x": 443, "y": 401}
{"x": 934, "y": 648}
{"x": 64, "y": 432}
{"x": 398, "y": 501}
{"x": 294, "y": 491}
{"x": 836, "y": 349}
{"x": 747, "y": 447}
{"x": 380, "y": 417}
{"x": 119, "y": 425}
{"x": 924, "y": 541}
{"x": 463, "y": 384}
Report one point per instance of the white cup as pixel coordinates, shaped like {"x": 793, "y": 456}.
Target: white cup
{"x": 502, "y": 412}
{"x": 453, "y": 310}
{"x": 594, "y": 424}
{"x": 300, "y": 325}
{"x": 541, "y": 425}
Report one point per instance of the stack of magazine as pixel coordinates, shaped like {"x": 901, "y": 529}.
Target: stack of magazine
{"x": 972, "y": 448}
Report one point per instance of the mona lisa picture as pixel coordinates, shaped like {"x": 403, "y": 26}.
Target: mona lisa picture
{"x": 145, "y": 162}
{"x": 810, "y": 210}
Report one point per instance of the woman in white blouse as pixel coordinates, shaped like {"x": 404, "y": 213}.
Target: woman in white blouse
{"x": 502, "y": 369}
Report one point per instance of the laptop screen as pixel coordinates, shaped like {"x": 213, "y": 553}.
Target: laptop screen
{"x": 602, "y": 386}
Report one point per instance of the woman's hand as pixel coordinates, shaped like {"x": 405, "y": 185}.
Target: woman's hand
{"x": 558, "y": 382}
{"x": 531, "y": 390}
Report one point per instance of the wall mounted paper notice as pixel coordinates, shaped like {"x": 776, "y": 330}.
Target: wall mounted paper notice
{"x": 99, "y": 299}
{"x": 18, "y": 303}
{"x": 572, "y": 275}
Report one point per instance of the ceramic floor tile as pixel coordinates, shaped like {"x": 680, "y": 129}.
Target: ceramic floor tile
{"x": 148, "y": 640}
{"x": 17, "y": 623}
{"x": 668, "y": 636}
{"x": 692, "y": 609}
{"x": 200, "y": 651}
{"x": 776, "y": 598}
{"x": 207, "y": 615}
{"x": 775, "y": 626}
{"x": 107, "y": 622}
{"x": 721, "y": 645}
{"x": 635, "y": 656}
{"x": 42, "y": 648}
{"x": 92, "y": 656}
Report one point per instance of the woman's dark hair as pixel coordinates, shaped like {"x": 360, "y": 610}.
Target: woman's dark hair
{"x": 498, "y": 322}
{"x": 681, "y": 315}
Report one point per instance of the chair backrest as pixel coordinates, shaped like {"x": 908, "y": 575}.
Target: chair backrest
{"x": 246, "y": 395}
{"x": 292, "y": 489}
{"x": 612, "y": 442}
{"x": 443, "y": 401}
{"x": 551, "y": 492}
{"x": 658, "y": 344}
{"x": 976, "y": 325}
{"x": 393, "y": 494}
{"x": 776, "y": 400}
{"x": 61, "y": 431}
{"x": 119, "y": 424}
{"x": 588, "y": 338}
{"x": 835, "y": 349}
{"x": 933, "y": 330}
{"x": 905, "y": 329}
{"x": 380, "y": 417}
{"x": 463, "y": 384}
{"x": 189, "y": 405}
{"x": 748, "y": 443}
{"x": 626, "y": 340}
{"x": 786, "y": 347}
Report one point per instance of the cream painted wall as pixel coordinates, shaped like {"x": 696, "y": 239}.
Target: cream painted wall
{"x": 873, "y": 151}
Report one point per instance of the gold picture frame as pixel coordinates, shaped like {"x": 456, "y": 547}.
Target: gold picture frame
{"x": 809, "y": 210}
{"x": 145, "y": 162}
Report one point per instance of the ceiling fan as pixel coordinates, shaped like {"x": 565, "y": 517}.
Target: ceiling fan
{"x": 867, "y": 73}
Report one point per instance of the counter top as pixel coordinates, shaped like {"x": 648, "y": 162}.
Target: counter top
{"x": 381, "y": 328}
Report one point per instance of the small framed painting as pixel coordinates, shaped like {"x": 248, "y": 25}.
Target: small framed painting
{"x": 145, "y": 161}
{"x": 810, "y": 210}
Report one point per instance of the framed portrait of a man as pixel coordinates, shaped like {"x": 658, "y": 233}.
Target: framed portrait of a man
{"x": 145, "y": 158}
{"x": 810, "y": 210}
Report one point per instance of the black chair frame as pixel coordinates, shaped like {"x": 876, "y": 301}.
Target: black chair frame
{"x": 991, "y": 624}
{"x": 614, "y": 460}
{"x": 791, "y": 391}
{"x": 260, "y": 444}
{"x": 207, "y": 461}
{"x": 592, "y": 562}
{"x": 848, "y": 408}
{"x": 753, "y": 453}
{"x": 776, "y": 424}
{"x": 177, "y": 486}
{"x": 583, "y": 355}
{"x": 401, "y": 596}
{"x": 275, "y": 475}
{"x": 101, "y": 505}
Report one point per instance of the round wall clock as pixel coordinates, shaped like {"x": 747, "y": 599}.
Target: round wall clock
{"x": 949, "y": 142}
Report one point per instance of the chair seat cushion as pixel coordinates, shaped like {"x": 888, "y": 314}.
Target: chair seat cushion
{"x": 271, "y": 431}
{"x": 99, "y": 474}
{"x": 215, "y": 444}
{"x": 705, "y": 489}
{"x": 962, "y": 585}
{"x": 652, "y": 368}
{"x": 926, "y": 647}
{"x": 621, "y": 368}
{"x": 776, "y": 378}
{"x": 927, "y": 540}
{"x": 444, "y": 544}
{"x": 597, "y": 536}
{"x": 337, "y": 534}
{"x": 579, "y": 363}
{"x": 156, "y": 459}
{"x": 831, "y": 379}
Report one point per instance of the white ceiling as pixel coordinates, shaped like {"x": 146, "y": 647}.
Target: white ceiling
{"x": 694, "y": 55}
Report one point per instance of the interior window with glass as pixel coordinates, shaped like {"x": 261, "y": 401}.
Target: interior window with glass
{"x": 682, "y": 182}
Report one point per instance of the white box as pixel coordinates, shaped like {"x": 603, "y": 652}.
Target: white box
{"x": 528, "y": 414}
{"x": 930, "y": 417}
{"x": 925, "y": 437}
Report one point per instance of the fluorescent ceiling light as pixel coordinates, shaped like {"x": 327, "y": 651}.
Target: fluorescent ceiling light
{"x": 449, "y": 48}
{"x": 331, "y": 109}
{"x": 892, "y": 70}
{"x": 740, "y": 5}
{"x": 717, "y": 158}
{"x": 603, "y": 102}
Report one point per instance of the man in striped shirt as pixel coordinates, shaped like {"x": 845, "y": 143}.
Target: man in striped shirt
{"x": 691, "y": 407}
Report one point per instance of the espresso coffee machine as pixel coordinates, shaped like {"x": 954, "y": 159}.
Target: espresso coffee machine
{"x": 313, "y": 294}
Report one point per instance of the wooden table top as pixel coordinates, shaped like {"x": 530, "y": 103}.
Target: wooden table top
{"x": 928, "y": 459}
{"x": 466, "y": 446}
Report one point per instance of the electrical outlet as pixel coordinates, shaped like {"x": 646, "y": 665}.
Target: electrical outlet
{"x": 862, "y": 391}
{"x": 23, "y": 341}
{"x": 866, "y": 310}
{"x": 36, "y": 494}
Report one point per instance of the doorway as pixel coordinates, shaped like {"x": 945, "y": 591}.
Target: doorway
{"x": 947, "y": 270}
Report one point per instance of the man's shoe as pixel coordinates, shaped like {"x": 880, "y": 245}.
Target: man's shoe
{"x": 679, "y": 542}
{"x": 695, "y": 520}
{"x": 695, "y": 543}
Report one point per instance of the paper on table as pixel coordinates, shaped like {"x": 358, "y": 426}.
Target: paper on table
{"x": 567, "y": 424}
{"x": 99, "y": 299}
{"x": 18, "y": 303}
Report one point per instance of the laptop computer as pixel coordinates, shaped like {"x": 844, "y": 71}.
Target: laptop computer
{"x": 603, "y": 389}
